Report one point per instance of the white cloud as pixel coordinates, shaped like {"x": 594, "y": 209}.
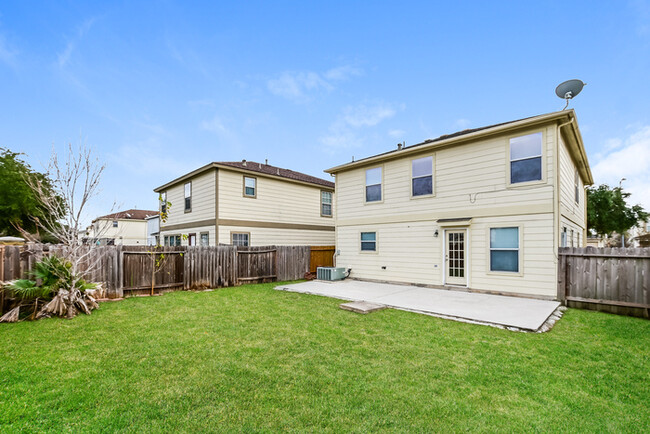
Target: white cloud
{"x": 627, "y": 158}
{"x": 367, "y": 116}
{"x": 396, "y": 134}
{"x": 295, "y": 85}
{"x": 215, "y": 125}
{"x": 342, "y": 73}
{"x": 7, "y": 54}
{"x": 298, "y": 86}
{"x": 148, "y": 157}
{"x": 347, "y": 130}
{"x": 63, "y": 58}
{"x": 462, "y": 123}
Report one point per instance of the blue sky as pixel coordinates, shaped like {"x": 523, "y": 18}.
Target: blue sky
{"x": 161, "y": 88}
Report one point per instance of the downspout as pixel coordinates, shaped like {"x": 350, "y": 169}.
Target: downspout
{"x": 335, "y": 216}
{"x": 556, "y": 192}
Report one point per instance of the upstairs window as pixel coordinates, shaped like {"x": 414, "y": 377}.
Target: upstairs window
{"x": 422, "y": 176}
{"x": 115, "y": 223}
{"x": 163, "y": 202}
{"x": 526, "y": 158}
{"x": 250, "y": 186}
{"x": 368, "y": 241}
{"x": 240, "y": 239}
{"x": 326, "y": 203}
{"x": 577, "y": 186}
{"x": 504, "y": 249}
{"x": 188, "y": 197}
{"x": 373, "y": 185}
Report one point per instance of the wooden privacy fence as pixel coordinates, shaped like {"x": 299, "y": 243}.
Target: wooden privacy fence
{"x": 131, "y": 269}
{"x": 615, "y": 280}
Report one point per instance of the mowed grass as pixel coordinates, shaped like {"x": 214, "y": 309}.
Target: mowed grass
{"x": 254, "y": 359}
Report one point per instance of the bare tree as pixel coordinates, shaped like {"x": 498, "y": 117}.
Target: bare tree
{"x": 76, "y": 180}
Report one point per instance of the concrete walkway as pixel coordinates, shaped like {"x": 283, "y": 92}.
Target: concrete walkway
{"x": 522, "y": 313}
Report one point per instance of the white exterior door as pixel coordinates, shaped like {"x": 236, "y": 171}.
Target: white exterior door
{"x": 456, "y": 257}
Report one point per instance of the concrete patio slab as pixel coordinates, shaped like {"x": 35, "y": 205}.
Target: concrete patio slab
{"x": 362, "y": 306}
{"x": 521, "y": 313}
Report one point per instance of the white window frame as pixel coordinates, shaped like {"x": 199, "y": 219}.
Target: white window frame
{"x": 433, "y": 185}
{"x": 187, "y": 195}
{"x": 366, "y": 185}
{"x": 115, "y": 223}
{"x": 577, "y": 187}
{"x": 520, "y": 249}
{"x": 361, "y": 241}
{"x": 163, "y": 202}
{"x": 323, "y": 203}
{"x": 248, "y": 239}
{"x": 542, "y": 158}
{"x": 254, "y": 195}
{"x": 207, "y": 239}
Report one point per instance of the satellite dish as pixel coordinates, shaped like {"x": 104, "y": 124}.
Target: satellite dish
{"x": 569, "y": 89}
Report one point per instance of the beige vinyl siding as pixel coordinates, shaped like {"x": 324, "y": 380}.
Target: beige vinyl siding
{"x": 412, "y": 254}
{"x": 538, "y": 262}
{"x": 203, "y": 200}
{"x": 409, "y": 251}
{"x": 469, "y": 180}
{"x": 577, "y": 229}
{"x": 193, "y": 230}
{"x": 568, "y": 206}
{"x": 276, "y": 201}
{"x": 278, "y": 237}
{"x": 128, "y": 232}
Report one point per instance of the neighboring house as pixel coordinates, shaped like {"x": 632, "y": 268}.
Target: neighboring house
{"x": 127, "y": 228}
{"x": 247, "y": 204}
{"x": 595, "y": 241}
{"x": 635, "y": 234}
{"x": 153, "y": 230}
{"x": 483, "y": 209}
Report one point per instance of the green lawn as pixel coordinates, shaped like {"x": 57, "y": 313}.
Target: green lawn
{"x": 254, "y": 359}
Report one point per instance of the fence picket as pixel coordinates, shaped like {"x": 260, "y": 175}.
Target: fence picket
{"x": 615, "y": 280}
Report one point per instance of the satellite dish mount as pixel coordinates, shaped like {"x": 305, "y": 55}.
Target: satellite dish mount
{"x": 569, "y": 89}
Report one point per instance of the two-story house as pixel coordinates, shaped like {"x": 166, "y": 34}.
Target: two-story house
{"x": 246, "y": 203}
{"x": 483, "y": 209}
{"x": 127, "y": 228}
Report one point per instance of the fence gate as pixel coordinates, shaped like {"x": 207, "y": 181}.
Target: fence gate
{"x": 321, "y": 256}
{"x": 256, "y": 265}
{"x": 138, "y": 265}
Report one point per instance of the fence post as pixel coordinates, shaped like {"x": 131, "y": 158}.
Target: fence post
{"x": 561, "y": 277}
{"x": 119, "y": 285}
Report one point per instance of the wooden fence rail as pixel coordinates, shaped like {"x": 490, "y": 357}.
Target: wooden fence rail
{"x": 131, "y": 269}
{"x": 614, "y": 280}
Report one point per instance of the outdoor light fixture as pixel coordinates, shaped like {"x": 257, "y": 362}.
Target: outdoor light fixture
{"x": 435, "y": 234}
